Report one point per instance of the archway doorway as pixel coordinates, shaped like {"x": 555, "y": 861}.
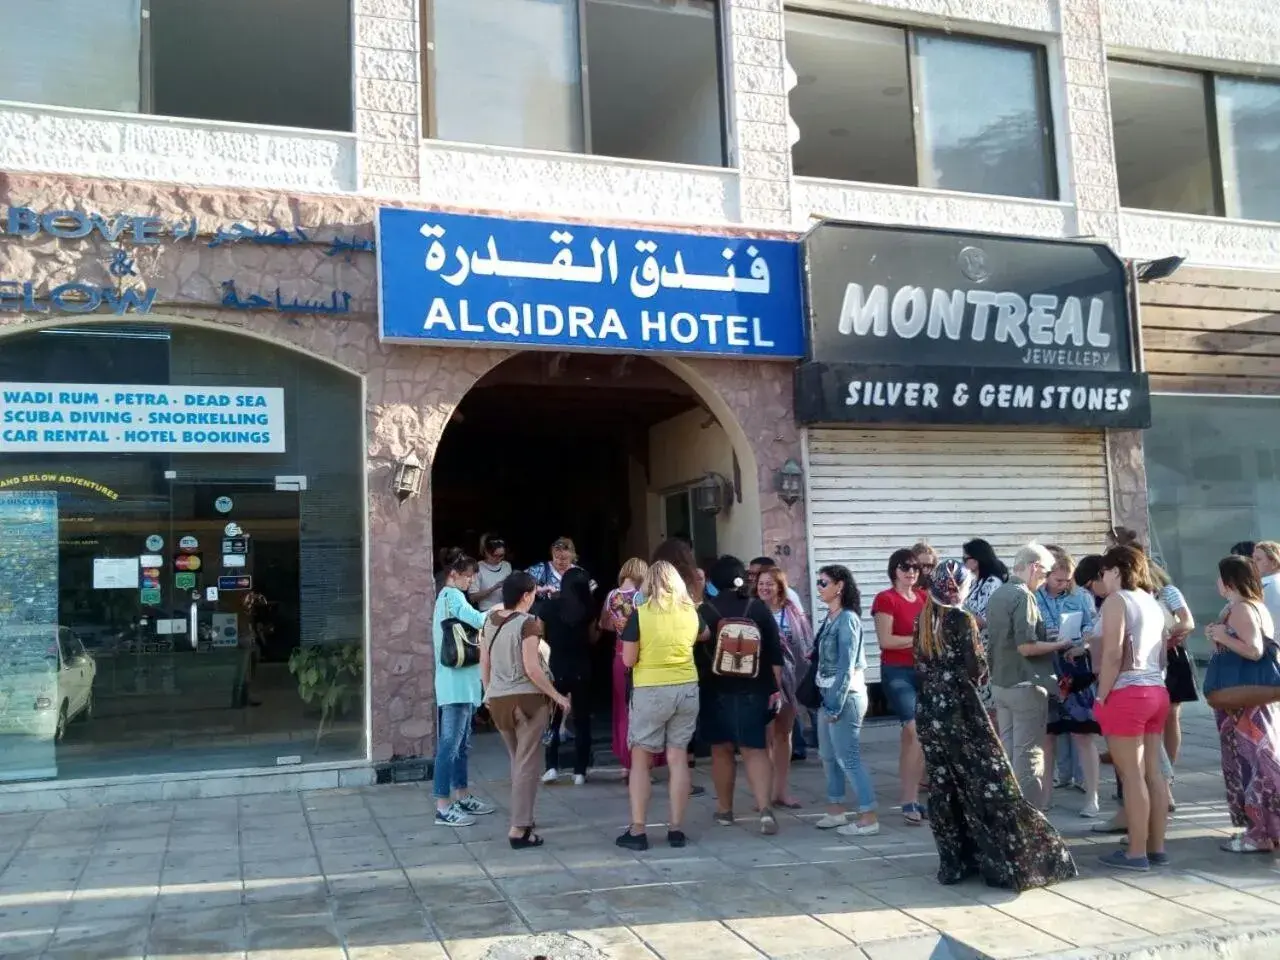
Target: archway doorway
{"x": 606, "y": 450}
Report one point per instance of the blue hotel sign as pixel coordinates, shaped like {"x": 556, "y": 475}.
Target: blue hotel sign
{"x": 485, "y": 281}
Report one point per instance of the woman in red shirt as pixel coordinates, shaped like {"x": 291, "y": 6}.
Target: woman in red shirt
{"x": 895, "y": 611}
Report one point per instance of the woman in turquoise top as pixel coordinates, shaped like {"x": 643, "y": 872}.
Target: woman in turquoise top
{"x": 458, "y": 694}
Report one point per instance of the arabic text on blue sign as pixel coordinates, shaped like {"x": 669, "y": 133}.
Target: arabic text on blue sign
{"x": 468, "y": 280}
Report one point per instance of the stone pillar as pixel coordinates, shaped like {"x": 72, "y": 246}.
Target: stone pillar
{"x": 388, "y": 95}
{"x": 1094, "y": 185}
{"x": 756, "y": 67}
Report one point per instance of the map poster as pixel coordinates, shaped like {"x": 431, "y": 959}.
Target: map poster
{"x": 28, "y": 635}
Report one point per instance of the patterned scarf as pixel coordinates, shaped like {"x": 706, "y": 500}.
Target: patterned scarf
{"x": 951, "y": 583}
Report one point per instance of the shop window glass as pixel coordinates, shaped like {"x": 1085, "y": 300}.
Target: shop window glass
{"x": 116, "y": 659}
{"x": 1163, "y": 146}
{"x": 284, "y": 63}
{"x": 1249, "y": 131}
{"x": 72, "y": 53}
{"x": 511, "y": 73}
{"x": 1213, "y": 478}
{"x": 890, "y": 105}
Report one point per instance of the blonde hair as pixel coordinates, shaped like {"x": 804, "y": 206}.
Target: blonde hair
{"x": 1269, "y": 549}
{"x": 929, "y": 642}
{"x": 924, "y": 547}
{"x": 633, "y": 570}
{"x": 663, "y": 587}
{"x": 1062, "y": 561}
{"x": 1159, "y": 575}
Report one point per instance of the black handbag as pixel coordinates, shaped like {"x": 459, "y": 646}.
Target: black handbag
{"x": 459, "y": 644}
{"x": 807, "y": 693}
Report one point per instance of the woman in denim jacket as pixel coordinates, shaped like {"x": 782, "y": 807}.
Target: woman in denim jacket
{"x": 841, "y": 679}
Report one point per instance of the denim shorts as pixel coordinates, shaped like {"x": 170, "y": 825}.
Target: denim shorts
{"x": 737, "y": 718}
{"x": 900, "y": 687}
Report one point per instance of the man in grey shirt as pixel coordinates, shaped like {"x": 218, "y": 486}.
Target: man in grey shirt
{"x": 1021, "y": 661}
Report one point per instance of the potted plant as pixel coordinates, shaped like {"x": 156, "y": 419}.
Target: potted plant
{"x": 330, "y": 675}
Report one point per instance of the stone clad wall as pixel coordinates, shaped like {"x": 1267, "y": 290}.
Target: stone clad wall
{"x": 411, "y": 392}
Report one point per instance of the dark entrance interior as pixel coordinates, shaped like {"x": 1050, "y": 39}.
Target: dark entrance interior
{"x": 550, "y": 445}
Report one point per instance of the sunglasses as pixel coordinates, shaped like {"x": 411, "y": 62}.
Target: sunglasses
{"x": 823, "y": 583}
{"x": 909, "y": 566}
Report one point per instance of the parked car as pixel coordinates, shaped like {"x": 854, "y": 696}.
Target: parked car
{"x": 73, "y": 696}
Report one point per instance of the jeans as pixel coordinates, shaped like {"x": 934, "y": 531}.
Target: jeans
{"x": 452, "y": 744}
{"x": 798, "y": 748}
{"x": 1068, "y": 761}
{"x": 579, "y": 693}
{"x": 839, "y": 745}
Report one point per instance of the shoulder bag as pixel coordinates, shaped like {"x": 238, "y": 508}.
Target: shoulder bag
{"x": 1233, "y": 682}
{"x": 807, "y": 693}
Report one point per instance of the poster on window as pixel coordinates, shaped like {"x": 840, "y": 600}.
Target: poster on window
{"x": 30, "y": 660}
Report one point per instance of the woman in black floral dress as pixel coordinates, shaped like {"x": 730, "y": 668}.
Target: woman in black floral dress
{"x": 980, "y": 821}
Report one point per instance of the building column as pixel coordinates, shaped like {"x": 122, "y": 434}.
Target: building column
{"x": 388, "y": 95}
{"x": 1094, "y": 186}
{"x": 756, "y": 69}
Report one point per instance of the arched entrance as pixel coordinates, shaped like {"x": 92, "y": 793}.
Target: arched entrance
{"x": 606, "y": 450}
{"x": 190, "y": 501}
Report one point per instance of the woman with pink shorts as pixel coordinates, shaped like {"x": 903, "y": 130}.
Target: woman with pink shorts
{"x": 1133, "y": 703}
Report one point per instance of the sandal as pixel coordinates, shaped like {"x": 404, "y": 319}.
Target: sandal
{"x": 526, "y": 840}
{"x": 1240, "y": 845}
{"x": 913, "y": 814}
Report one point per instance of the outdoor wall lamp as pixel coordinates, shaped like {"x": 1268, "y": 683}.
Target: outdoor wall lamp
{"x": 789, "y": 482}
{"x": 712, "y": 494}
{"x": 407, "y": 479}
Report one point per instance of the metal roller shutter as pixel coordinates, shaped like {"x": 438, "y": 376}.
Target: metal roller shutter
{"x": 873, "y": 491}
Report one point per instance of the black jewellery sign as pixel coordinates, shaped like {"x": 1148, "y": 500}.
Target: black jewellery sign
{"x": 925, "y": 326}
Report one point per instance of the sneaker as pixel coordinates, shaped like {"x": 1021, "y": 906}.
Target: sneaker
{"x": 551, "y": 776}
{"x": 1089, "y": 810}
{"x": 1078, "y": 786}
{"x": 579, "y": 779}
{"x": 453, "y": 816}
{"x": 676, "y": 838}
{"x": 859, "y": 829}
{"x": 1158, "y": 859}
{"x": 1061, "y": 783}
{"x": 724, "y": 818}
{"x": 1110, "y": 827}
{"x": 768, "y": 823}
{"x": 694, "y": 791}
{"x": 830, "y": 821}
{"x": 633, "y": 841}
{"x": 1118, "y": 860}
{"x": 475, "y": 806}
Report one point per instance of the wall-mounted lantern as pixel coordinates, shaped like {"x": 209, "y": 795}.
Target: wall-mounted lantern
{"x": 712, "y": 494}
{"x": 407, "y": 480}
{"x": 789, "y": 482}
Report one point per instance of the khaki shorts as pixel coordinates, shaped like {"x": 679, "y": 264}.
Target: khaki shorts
{"x": 662, "y": 717}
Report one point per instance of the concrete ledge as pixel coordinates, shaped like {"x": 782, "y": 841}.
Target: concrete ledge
{"x": 1259, "y": 941}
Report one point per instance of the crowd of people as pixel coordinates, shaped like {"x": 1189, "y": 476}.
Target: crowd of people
{"x": 1003, "y": 680}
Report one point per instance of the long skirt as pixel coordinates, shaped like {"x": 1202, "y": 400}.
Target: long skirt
{"x": 621, "y": 703}
{"x": 1251, "y": 769}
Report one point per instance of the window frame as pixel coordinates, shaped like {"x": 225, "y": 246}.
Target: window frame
{"x": 910, "y": 32}
{"x": 1214, "y": 145}
{"x": 728, "y": 159}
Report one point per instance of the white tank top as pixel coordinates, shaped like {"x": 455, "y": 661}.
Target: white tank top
{"x": 1143, "y": 658}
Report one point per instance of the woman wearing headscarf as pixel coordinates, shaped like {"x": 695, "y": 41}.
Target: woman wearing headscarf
{"x": 981, "y": 823}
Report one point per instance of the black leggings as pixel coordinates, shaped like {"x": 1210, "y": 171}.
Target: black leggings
{"x": 578, "y": 692}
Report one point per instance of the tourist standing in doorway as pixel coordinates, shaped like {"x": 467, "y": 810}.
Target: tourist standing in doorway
{"x": 796, "y": 638}
{"x": 989, "y": 574}
{"x": 841, "y": 682}
{"x": 1133, "y": 704}
{"x": 568, "y": 616}
{"x": 458, "y": 693}
{"x": 982, "y": 823}
{"x": 548, "y": 573}
{"x": 486, "y": 590}
{"x": 737, "y": 710}
{"x": 1071, "y": 704}
{"x": 1022, "y": 668}
{"x": 1250, "y": 737}
{"x": 619, "y": 605}
{"x": 895, "y": 611}
{"x": 519, "y": 692}
{"x": 657, "y": 646}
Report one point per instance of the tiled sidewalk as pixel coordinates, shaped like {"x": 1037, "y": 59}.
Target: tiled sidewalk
{"x": 365, "y": 875}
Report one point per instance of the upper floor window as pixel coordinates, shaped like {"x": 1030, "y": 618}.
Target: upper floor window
{"x": 917, "y": 108}
{"x": 1190, "y": 142}
{"x": 639, "y": 79}
{"x": 278, "y": 62}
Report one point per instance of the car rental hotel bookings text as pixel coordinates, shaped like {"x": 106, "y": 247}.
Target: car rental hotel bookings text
{"x": 1050, "y": 321}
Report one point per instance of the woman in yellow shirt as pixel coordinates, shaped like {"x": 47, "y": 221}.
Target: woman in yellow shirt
{"x": 657, "y": 645}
